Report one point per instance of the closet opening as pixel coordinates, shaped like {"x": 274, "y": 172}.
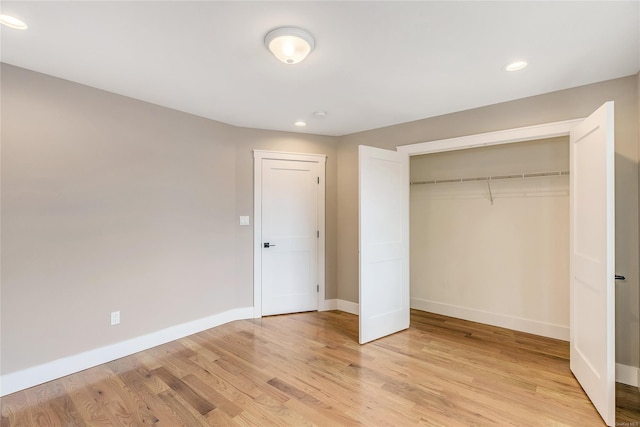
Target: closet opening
{"x": 490, "y": 235}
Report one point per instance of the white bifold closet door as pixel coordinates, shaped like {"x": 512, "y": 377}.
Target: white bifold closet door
{"x": 592, "y": 243}
{"x": 384, "y": 242}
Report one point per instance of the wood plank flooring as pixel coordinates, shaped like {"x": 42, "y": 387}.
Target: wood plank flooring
{"x": 308, "y": 369}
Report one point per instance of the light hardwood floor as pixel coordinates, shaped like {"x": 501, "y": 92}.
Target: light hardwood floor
{"x": 308, "y": 369}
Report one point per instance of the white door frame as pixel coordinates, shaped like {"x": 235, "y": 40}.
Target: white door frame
{"x": 508, "y": 136}
{"x": 258, "y": 156}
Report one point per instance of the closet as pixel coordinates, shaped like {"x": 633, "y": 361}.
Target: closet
{"x": 490, "y": 235}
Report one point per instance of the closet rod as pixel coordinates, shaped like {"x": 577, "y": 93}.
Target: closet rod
{"x": 493, "y": 178}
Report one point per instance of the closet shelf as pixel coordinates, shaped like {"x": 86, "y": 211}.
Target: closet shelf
{"x": 493, "y": 178}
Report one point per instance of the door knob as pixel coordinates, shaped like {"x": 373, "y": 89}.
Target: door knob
{"x": 620, "y": 277}
{"x": 268, "y": 245}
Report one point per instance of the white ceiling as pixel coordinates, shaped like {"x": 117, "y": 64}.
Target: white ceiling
{"x": 375, "y": 63}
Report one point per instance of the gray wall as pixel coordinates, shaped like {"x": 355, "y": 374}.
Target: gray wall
{"x": 556, "y": 106}
{"x": 109, "y": 203}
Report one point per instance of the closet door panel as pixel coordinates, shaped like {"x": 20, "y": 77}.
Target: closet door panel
{"x": 384, "y": 242}
{"x": 592, "y": 233}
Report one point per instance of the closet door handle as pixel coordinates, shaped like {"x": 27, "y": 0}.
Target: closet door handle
{"x": 620, "y": 277}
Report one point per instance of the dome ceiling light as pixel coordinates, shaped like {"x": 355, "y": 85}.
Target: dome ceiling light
{"x": 289, "y": 44}
{"x": 12, "y": 22}
{"x": 515, "y": 66}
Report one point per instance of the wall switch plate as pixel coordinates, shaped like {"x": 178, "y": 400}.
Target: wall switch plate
{"x": 115, "y": 317}
{"x": 244, "y": 220}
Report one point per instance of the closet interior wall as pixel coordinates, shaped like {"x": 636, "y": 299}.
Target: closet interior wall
{"x": 494, "y": 251}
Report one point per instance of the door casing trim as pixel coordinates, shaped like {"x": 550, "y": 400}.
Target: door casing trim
{"x": 528, "y": 133}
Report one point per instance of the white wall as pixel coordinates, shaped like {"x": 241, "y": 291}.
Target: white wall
{"x": 504, "y": 263}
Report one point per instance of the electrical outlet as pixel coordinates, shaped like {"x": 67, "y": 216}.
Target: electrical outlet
{"x": 115, "y": 317}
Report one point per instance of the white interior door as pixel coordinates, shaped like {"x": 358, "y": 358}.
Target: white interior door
{"x": 289, "y": 244}
{"x": 592, "y": 336}
{"x": 384, "y": 242}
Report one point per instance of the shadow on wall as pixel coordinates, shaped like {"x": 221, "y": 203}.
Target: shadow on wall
{"x": 627, "y": 291}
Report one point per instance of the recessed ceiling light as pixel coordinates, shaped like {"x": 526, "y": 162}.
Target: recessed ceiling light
{"x": 320, "y": 114}
{"x": 515, "y": 66}
{"x": 289, "y": 44}
{"x": 300, "y": 123}
{"x": 12, "y": 22}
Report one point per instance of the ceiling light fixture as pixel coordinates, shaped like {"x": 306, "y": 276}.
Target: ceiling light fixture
{"x": 300, "y": 123}
{"x": 12, "y": 22}
{"x": 289, "y": 44}
{"x": 515, "y": 66}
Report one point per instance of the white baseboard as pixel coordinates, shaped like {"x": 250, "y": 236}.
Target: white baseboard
{"x": 516, "y": 323}
{"x": 348, "y": 307}
{"x": 342, "y": 305}
{"x": 20, "y": 380}
{"x": 328, "y": 304}
{"x": 627, "y": 374}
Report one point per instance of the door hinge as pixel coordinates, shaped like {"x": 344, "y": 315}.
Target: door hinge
{"x": 318, "y": 180}
{"x": 317, "y": 288}
{"x": 318, "y": 234}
